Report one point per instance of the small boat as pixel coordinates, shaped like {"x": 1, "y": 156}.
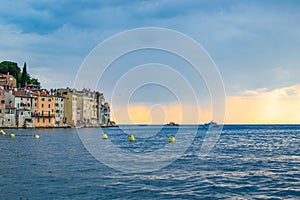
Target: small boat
{"x": 172, "y": 124}
{"x": 211, "y": 124}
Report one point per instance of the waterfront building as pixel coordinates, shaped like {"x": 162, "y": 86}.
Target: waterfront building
{"x": 70, "y": 105}
{"x": 79, "y": 110}
{"x": 105, "y": 114}
{"x": 10, "y": 116}
{"x": 103, "y": 109}
{"x": 87, "y": 108}
{"x": 54, "y": 108}
{"x": 10, "y": 109}
{"x": 44, "y": 110}
{"x": 24, "y": 104}
{"x": 59, "y": 111}
{"x": 2, "y": 106}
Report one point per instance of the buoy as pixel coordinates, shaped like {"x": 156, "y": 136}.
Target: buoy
{"x": 131, "y": 138}
{"x": 36, "y": 136}
{"x": 11, "y": 135}
{"x": 2, "y": 132}
{"x": 104, "y": 136}
{"x": 171, "y": 139}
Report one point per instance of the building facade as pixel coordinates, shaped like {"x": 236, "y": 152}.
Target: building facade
{"x": 44, "y": 115}
{"x": 59, "y": 111}
{"x": 70, "y": 105}
{"x": 24, "y": 104}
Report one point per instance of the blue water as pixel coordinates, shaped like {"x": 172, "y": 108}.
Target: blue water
{"x": 248, "y": 162}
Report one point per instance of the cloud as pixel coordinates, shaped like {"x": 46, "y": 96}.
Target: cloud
{"x": 265, "y": 106}
{"x": 255, "y": 44}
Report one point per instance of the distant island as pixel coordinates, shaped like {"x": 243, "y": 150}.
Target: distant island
{"x": 24, "y": 104}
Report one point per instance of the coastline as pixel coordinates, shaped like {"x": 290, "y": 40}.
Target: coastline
{"x": 62, "y": 127}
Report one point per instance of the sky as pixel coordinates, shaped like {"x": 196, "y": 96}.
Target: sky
{"x": 254, "y": 44}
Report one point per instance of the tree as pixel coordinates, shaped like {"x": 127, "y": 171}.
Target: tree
{"x": 24, "y": 77}
{"x": 11, "y": 67}
{"x": 35, "y": 82}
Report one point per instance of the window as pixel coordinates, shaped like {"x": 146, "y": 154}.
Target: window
{"x": 49, "y": 99}
{"x": 38, "y": 120}
{"x": 48, "y": 105}
{"x": 43, "y": 119}
{"x": 43, "y": 99}
{"x": 56, "y": 104}
{"x": 8, "y": 119}
{"x": 2, "y": 101}
{"x": 49, "y": 120}
{"x": 42, "y": 105}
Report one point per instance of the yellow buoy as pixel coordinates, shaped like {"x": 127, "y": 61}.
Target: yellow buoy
{"x": 36, "y": 136}
{"x": 104, "y": 136}
{"x": 171, "y": 139}
{"x": 11, "y": 135}
{"x": 131, "y": 138}
{"x": 2, "y": 132}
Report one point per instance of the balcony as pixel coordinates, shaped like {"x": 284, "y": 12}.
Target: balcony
{"x": 45, "y": 114}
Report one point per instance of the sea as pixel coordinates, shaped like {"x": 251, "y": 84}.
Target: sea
{"x": 239, "y": 162}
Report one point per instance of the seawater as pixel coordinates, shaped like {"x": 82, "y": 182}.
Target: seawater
{"x": 247, "y": 162}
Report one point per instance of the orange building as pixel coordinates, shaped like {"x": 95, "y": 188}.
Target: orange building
{"x": 44, "y": 115}
{"x": 8, "y": 80}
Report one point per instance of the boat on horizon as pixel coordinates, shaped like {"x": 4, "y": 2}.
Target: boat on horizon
{"x": 211, "y": 124}
{"x": 172, "y": 124}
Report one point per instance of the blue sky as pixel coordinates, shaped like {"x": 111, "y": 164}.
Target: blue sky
{"x": 255, "y": 44}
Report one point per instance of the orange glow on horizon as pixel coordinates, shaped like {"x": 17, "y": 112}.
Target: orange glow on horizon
{"x": 279, "y": 106}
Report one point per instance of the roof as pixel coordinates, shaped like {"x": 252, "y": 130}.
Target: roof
{"x": 44, "y": 95}
{"x": 9, "y": 107}
{"x": 21, "y": 94}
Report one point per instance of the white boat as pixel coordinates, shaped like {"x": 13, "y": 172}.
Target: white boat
{"x": 211, "y": 124}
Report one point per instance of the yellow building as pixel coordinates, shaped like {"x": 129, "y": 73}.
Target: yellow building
{"x": 44, "y": 115}
{"x": 70, "y": 106}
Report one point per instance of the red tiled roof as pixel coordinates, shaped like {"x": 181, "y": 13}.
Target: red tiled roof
{"x": 20, "y": 94}
{"x": 9, "y": 107}
{"x": 44, "y": 95}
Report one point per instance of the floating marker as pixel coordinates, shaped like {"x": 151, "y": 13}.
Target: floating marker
{"x": 171, "y": 139}
{"x": 131, "y": 138}
{"x": 12, "y": 135}
{"x": 104, "y": 136}
{"x": 2, "y": 132}
{"x": 36, "y": 136}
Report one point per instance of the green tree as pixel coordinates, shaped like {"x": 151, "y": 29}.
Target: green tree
{"x": 25, "y": 78}
{"x": 35, "y": 82}
{"x": 11, "y": 67}
{"x": 22, "y": 77}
